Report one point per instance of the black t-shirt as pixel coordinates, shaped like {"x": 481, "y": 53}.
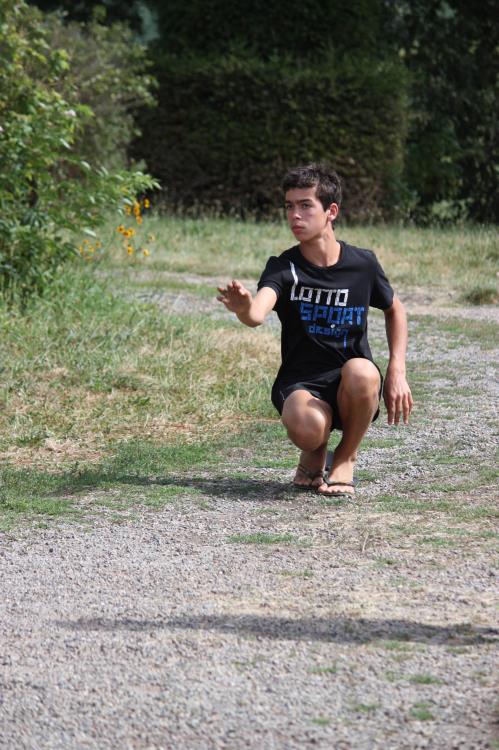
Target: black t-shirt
{"x": 323, "y": 311}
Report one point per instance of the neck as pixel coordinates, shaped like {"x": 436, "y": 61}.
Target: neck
{"x": 323, "y": 250}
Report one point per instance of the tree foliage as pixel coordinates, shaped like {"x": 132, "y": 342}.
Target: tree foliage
{"x": 450, "y": 47}
{"x": 84, "y": 11}
{"x": 107, "y": 72}
{"x": 48, "y": 192}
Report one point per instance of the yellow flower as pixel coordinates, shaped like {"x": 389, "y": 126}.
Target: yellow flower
{"x": 98, "y": 245}
{"x": 147, "y": 203}
{"x": 129, "y": 249}
{"x": 146, "y": 252}
{"x": 138, "y": 219}
{"x": 151, "y": 237}
{"x": 121, "y": 229}
{"x": 128, "y": 210}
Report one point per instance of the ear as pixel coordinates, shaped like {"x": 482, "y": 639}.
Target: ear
{"x": 333, "y": 211}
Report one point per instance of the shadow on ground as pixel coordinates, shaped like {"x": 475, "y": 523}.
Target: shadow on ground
{"x": 339, "y": 630}
{"x": 223, "y": 486}
{"x": 229, "y": 488}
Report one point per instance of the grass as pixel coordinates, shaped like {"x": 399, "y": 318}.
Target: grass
{"x": 84, "y": 369}
{"x": 437, "y": 541}
{"x": 425, "y": 679}
{"x": 459, "y": 510}
{"x": 456, "y": 331}
{"x": 400, "y": 645}
{"x": 137, "y": 473}
{"x": 261, "y": 537}
{"x": 396, "y": 504}
{"x": 365, "y": 708}
{"x": 420, "y": 711}
{"x": 480, "y": 294}
{"x": 392, "y": 676}
{"x": 430, "y": 257}
{"x": 321, "y": 721}
{"x": 297, "y": 573}
{"x": 94, "y": 382}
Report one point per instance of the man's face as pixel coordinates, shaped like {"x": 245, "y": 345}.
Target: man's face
{"x": 306, "y": 216}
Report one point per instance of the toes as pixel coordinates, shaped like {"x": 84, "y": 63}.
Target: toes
{"x": 335, "y": 490}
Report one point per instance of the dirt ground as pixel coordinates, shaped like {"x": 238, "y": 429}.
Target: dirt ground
{"x": 243, "y": 614}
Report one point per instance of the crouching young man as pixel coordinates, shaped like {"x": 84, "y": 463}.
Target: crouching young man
{"x": 321, "y": 289}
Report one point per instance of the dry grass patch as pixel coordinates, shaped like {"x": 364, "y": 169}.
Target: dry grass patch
{"x": 107, "y": 370}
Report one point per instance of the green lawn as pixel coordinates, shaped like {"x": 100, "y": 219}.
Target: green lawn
{"x": 458, "y": 259}
{"x": 89, "y": 375}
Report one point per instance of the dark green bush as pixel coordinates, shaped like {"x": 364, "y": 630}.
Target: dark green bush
{"x": 302, "y": 30}
{"x": 226, "y": 129}
{"x": 450, "y": 50}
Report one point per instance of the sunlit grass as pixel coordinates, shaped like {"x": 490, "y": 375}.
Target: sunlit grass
{"x": 456, "y": 260}
{"x": 87, "y": 369}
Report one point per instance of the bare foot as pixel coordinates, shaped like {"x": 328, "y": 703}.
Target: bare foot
{"x": 310, "y": 469}
{"x": 340, "y": 479}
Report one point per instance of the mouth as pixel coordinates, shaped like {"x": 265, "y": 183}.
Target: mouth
{"x": 297, "y": 227}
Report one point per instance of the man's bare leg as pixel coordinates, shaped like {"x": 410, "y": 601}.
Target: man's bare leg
{"x": 308, "y": 422}
{"x": 358, "y": 400}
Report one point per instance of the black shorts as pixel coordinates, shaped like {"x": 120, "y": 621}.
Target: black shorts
{"x": 323, "y": 386}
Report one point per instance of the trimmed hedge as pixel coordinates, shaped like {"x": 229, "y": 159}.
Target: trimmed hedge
{"x": 304, "y": 30}
{"x": 226, "y": 129}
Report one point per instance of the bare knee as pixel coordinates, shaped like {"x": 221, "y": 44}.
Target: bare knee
{"x": 360, "y": 378}
{"x": 305, "y": 437}
{"x": 307, "y": 420}
{"x": 305, "y": 431}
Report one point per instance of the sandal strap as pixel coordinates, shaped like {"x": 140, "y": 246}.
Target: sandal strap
{"x": 332, "y": 483}
{"x": 308, "y": 473}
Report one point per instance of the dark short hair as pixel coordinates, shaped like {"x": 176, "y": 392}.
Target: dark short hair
{"x": 319, "y": 175}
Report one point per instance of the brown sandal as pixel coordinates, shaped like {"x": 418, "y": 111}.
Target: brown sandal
{"x": 310, "y": 475}
{"x": 338, "y": 493}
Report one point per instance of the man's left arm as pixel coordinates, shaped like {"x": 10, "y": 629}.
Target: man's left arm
{"x": 396, "y": 392}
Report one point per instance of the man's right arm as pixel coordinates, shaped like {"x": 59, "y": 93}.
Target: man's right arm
{"x": 250, "y": 310}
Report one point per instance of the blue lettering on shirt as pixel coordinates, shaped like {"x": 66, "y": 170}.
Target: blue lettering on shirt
{"x": 306, "y": 311}
{"x": 336, "y": 320}
{"x": 320, "y": 311}
{"x": 333, "y": 316}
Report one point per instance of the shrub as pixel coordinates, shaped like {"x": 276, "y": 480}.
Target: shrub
{"x": 303, "y": 30}
{"x": 48, "y": 193}
{"x": 107, "y": 71}
{"x": 226, "y": 128}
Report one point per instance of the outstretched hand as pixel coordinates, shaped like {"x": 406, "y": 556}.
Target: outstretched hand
{"x": 397, "y": 396}
{"x": 235, "y": 297}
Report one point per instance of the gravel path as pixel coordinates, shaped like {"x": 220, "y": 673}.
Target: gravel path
{"x": 369, "y": 625}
